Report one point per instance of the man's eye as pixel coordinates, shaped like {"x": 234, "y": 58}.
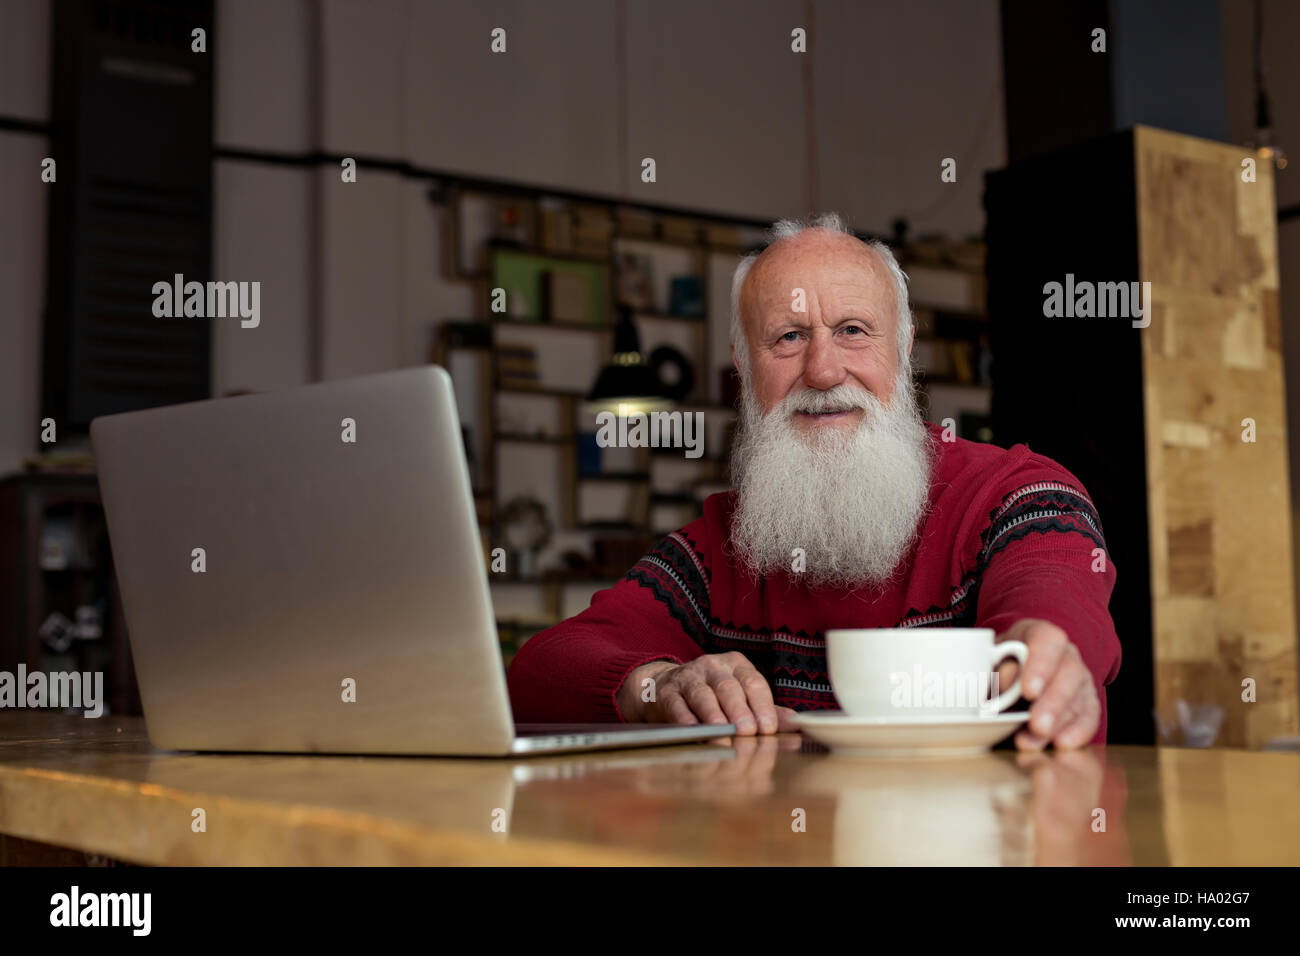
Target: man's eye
{"x": 787, "y": 336}
{"x": 852, "y": 328}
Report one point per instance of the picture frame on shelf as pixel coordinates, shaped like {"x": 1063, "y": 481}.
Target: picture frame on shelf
{"x": 593, "y": 228}
{"x": 566, "y": 296}
{"x": 555, "y": 226}
{"x": 523, "y": 274}
{"x": 635, "y": 279}
{"x": 686, "y": 296}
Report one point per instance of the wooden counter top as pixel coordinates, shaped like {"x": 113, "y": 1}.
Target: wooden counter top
{"x": 98, "y": 786}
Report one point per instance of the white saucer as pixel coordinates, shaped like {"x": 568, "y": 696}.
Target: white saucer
{"x": 909, "y": 736}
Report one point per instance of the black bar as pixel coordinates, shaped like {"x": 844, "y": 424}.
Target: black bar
{"x": 916, "y": 904}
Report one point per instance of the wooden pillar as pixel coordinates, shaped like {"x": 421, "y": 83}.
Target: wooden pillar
{"x": 1220, "y": 545}
{"x": 1196, "y": 519}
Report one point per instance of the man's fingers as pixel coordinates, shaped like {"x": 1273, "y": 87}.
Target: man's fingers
{"x": 1027, "y": 740}
{"x": 675, "y": 708}
{"x": 721, "y": 689}
{"x": 1047, "y": 644}
{"x": 684, "y": 685}
{"x": 759, "y": 696}
{"x": 1079, "y": 723}
{"x": 1049, "y": 708}
{"x": 704, "y": 703}
{"x": 731, "y": 696}
{"x": 1075, "y": 725}
{"x": 786, "y": 721}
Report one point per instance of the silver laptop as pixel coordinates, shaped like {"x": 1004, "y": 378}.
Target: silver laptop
{"x": 286, "y": 590}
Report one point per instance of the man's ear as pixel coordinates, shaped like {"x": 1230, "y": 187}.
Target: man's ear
{"x": 911, "y": 340}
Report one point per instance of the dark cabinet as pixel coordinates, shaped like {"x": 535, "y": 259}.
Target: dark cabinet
{"x": 60, "y": 609}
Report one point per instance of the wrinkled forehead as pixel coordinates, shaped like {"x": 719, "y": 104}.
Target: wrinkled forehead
{"x": 832, "y": 267}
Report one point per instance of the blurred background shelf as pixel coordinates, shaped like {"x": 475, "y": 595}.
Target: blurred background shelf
{"x": 59, "y": 605}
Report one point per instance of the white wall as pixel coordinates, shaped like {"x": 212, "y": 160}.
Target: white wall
{"x": 264, "y": 91}
{"x": 714, "y": 94}
{"x": 25, "y": 58}
{"x": 900, "y": 87}
{"x": 261, "y": 232}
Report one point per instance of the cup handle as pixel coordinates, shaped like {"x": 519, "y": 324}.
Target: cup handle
{"x": 1001, "y": 652}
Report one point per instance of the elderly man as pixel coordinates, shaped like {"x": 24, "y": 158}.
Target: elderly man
{"x": 898, "y": 528}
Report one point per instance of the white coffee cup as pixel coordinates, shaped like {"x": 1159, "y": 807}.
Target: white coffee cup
{"x": 920, "y": 673}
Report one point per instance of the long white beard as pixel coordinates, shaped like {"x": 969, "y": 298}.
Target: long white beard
{"x": 852, "y": 502}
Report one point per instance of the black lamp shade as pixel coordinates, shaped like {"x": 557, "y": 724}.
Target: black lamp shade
{"x": 629, "y": 383}
{"x": 627, "y": 379}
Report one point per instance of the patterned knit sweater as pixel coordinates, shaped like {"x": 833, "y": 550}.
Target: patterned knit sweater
{"x": 1008, "y": 534}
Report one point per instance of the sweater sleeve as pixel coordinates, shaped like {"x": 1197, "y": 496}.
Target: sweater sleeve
{"x": 572, "y": 671}
{"x": 1043, "y": 556}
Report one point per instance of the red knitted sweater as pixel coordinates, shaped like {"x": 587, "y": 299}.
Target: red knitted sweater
{"x": 1008, "y": 534}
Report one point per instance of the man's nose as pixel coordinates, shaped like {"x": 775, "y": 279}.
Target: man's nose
{"x": 823, "y": 367}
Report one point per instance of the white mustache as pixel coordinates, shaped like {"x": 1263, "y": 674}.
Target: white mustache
{"x": 841, "y": 398}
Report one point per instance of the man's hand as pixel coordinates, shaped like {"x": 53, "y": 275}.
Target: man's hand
{"x": 1065, "y": 709}
{"x": 712, "y": 689}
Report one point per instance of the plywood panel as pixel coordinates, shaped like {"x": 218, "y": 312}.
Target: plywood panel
{"x": 1221, "y": 547}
